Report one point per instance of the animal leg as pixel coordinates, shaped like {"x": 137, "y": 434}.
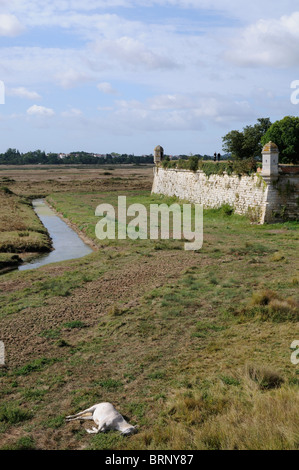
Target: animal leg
{"x": 86, "y": 414}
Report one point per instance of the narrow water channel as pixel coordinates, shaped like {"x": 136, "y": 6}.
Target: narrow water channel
{"x": 66, "y": 243}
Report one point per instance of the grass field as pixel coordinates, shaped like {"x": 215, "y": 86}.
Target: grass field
{"x": 194, "y": 348}
{"x": 21, "y": 232}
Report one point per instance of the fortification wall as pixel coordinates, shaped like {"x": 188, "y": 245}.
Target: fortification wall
{"x": 283, "y": 194}
{"x": 263, "y": 199}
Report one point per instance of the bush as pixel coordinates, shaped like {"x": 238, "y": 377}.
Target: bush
{"x": 193, "y": 163}
{"x": 227, "y": 210}
{"x": 239, "y": 167}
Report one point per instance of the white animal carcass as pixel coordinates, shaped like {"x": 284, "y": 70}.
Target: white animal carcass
{"x": 106, "y": 417}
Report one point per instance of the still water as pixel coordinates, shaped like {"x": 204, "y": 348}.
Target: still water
{"x": 66, "y": 243}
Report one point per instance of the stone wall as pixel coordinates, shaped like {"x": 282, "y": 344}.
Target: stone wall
{"x": 263, "y": 199}
{"x": 283, "y": 194}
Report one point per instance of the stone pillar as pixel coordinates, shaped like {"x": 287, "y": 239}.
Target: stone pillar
{"x": 158, "y": 154}
{"x": 270, "y": 155}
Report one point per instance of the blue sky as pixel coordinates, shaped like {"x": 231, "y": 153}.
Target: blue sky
{"x": 126, "y": 75}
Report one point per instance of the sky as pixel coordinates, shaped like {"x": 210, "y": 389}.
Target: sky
{"x": 126, "y": 75}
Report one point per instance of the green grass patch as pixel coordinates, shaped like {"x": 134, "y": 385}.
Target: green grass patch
{"x": 12, "y": 414}
{"x": 23, "y": 443}
{"x": 35, "y": 366}
{"x": 75, "y": 324}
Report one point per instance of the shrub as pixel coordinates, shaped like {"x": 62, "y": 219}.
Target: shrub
{"x": 227, "y": 209}
{"x": 239, "y": 167}
{"x": 193, "y": 163}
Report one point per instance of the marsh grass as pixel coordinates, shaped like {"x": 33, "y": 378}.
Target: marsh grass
{"x": 9, "y": 259}
{"x": 20, "y": 228}
{"x": 214, "y": 417}
{"x": 174, "y": 361}
{"x": 264, "y": 377}
{"x": 269, "y": 305}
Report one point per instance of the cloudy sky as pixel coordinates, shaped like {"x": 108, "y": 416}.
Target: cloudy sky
{"x": 126, "y": 75}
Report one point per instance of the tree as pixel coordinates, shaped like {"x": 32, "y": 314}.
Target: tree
{"x": 11, "y": 156}
{"x": 233, "y": 143}
{"x": 246, "y": 143}
{"x": 285, "y": 134}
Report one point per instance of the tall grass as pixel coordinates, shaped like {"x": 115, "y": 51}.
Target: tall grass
{"x": 216, "y": 418}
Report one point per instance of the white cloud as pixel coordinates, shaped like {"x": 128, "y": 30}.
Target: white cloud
{"x": 268, "y": 42}
{"x": 38, "y": 65}
{"x": 10, "y": 25}
{"x": 129, "y": 51}
{"x": 73, "y": 112}
{"x": 70, "y": 76}
{"x": 106, "y": 88}
{"x": 22, "y": 92}
{"x": 232, "y": 6}
{"x": 180, "y": 112}
{"x": 40, "y": 111}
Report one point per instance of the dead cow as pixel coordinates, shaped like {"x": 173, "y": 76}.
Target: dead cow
{"x": 106, "y": 417}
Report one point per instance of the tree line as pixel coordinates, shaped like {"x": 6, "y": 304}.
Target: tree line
{"x": 37, "y": 157}
{"x": 249, "y": 142}
{"x": 14, "y": 157}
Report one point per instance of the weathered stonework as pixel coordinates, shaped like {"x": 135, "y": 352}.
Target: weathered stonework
{"x": 158, "y": 154}
{"x": 263, "y": 199}
{"x": 270, "y": 198}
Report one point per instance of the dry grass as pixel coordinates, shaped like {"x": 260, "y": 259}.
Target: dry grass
{"x": 264, "y": 377}
{"x": 268, "y": 304}
{"x": 39, "y": 181}
{"x": 217, "y": 418}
